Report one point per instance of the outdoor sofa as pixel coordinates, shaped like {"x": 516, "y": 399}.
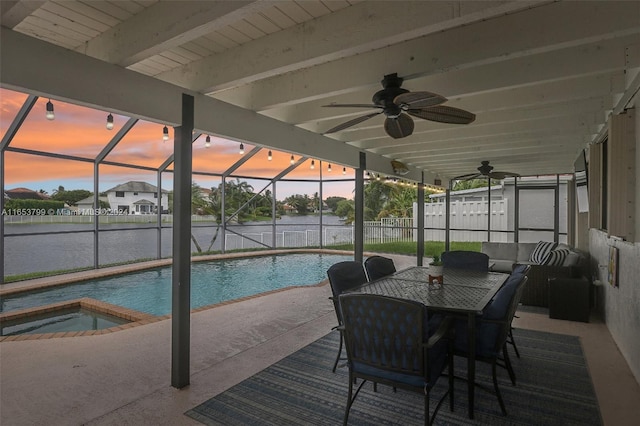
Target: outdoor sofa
{"x": 560, "y": 267}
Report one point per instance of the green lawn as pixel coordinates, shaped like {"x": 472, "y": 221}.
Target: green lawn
{"x": 410, "y": 248}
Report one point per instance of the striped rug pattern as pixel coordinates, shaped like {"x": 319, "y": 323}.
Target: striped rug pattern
{"x": 553, "y": 388}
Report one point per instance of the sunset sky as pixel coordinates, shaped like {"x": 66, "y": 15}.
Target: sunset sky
{"x": 81, "y": 132}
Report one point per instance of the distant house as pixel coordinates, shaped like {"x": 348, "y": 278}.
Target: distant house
{"x": 137, "y": 198}
{"x": 24, "y": 194}
{"x": 86, "y": 204}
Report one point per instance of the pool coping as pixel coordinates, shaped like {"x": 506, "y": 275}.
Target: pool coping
{"x": 104, "y": 307}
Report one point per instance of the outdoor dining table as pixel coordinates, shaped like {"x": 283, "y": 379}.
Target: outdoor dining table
{"x": 463, "y": 292}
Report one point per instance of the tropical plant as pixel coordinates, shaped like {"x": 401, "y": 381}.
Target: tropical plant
{"x": 346, "y": 209}
{"x": 399, "y": 202}
{"x": 299, "y": 202}
{"x": 470, "y": 184}
{"x": 70, "y": 197}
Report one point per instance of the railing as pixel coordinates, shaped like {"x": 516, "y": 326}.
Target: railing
{"x": 384, "y": 231}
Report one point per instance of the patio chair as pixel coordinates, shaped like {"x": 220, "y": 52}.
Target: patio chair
{"x": 492, "y": 329}
{"x": 388, "y": 342}
{"x": 462, "y": 259}
{"x": 343, "y": 276}
{"x": 517, "y": 269}
{"x": 378, "y": 267}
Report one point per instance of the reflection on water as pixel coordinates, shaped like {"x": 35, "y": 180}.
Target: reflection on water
{"x": 38, "y": 253}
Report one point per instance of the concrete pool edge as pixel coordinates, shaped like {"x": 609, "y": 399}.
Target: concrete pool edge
{"x": 132, "y": 317}
{"x": 150, "y": 319}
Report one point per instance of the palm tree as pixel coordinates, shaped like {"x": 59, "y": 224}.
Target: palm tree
{"x": 376, "y": 194}
{"x": 399, "y": 203}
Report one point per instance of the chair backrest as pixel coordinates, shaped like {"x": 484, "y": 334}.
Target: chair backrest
{"x": 521, "y": 269}
{"x": 378, "y": 267}
{"x": 384, "y": 332}
{"x": 492, "y": 327}
{"x": 502, "y": 308}
{"x": 344, "y": 276}
{"x": 462, "y": 259}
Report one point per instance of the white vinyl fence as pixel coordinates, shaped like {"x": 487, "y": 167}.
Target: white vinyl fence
{"x": 471, "y": 216}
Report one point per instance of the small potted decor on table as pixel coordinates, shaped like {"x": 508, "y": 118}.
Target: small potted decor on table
{"x": 435, "y": 270}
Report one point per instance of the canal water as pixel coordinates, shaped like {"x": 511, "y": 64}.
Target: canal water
{"x": 62, "y": 251}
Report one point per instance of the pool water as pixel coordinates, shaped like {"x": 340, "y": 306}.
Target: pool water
{"x": 211, "y": 282}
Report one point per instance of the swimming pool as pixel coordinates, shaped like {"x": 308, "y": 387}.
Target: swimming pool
{"x": 212, "y": 282}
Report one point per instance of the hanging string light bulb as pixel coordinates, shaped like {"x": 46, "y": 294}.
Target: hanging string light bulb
{"x": 207, "y": 142}
{"x": 165, "y": 133}
{"x": 269, "y": 156}
{"x": 241, "y": 148}
{"x": 329, "y": 168}
{"x": 292, "y": 160}
{"x": 50, "y": 114}
{"x": 313, "y": 164}
{"x": 344, "y": 170}
{"x": 109, "y": 122}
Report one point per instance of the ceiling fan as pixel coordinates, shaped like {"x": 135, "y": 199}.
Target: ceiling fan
{"x": 399, "y": 104}
{"x": 487, "y": 171}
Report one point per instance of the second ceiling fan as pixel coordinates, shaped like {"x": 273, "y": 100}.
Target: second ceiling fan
{"x": 399, "y": 104}
{"x": 486, "y": 170}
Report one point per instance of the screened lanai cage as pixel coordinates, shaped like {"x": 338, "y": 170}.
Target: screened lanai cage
{"x": 86, "y": 189}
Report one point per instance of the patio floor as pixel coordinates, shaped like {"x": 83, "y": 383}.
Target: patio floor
{"x": 124, "y": 377}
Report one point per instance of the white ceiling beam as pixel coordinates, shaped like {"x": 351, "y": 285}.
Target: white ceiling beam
{"x": 14, "y": 12}
{"x": 527, "y": 91}
{"x": 35, "y": 67}
{"x": 165, "y": 25}
{"x": 485, "y": 42}
{"x": 530, "y": 97}
{"x": 331, "y": 37}
{"x": 592, "y": 106}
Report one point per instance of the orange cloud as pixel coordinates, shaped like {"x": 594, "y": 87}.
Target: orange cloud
{"x": 81, "y": 132}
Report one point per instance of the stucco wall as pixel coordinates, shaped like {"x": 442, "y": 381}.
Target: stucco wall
{"x": 620, "y": 305}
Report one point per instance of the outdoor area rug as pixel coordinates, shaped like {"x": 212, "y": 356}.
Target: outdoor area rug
{"x": 553, "y": 387}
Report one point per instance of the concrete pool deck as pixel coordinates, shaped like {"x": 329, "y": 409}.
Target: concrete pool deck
{"x": 134, "y": 318}
{"x": 123, "y": 378}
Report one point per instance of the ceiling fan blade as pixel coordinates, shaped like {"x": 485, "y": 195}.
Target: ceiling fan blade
{"x": 399, "y": 127}
{"x": 470, "y": 176}
{"x": 444, "y": 114}
{"x": 351, "y": 122}
{"x": 418, "y": 100}
{"x": 502, "y": 175}
{"x": 353, "y": 106}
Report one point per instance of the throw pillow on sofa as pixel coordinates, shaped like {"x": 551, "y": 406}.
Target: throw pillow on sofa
{"x": 541, "y": 251}
{"x": 556, "y": 257}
